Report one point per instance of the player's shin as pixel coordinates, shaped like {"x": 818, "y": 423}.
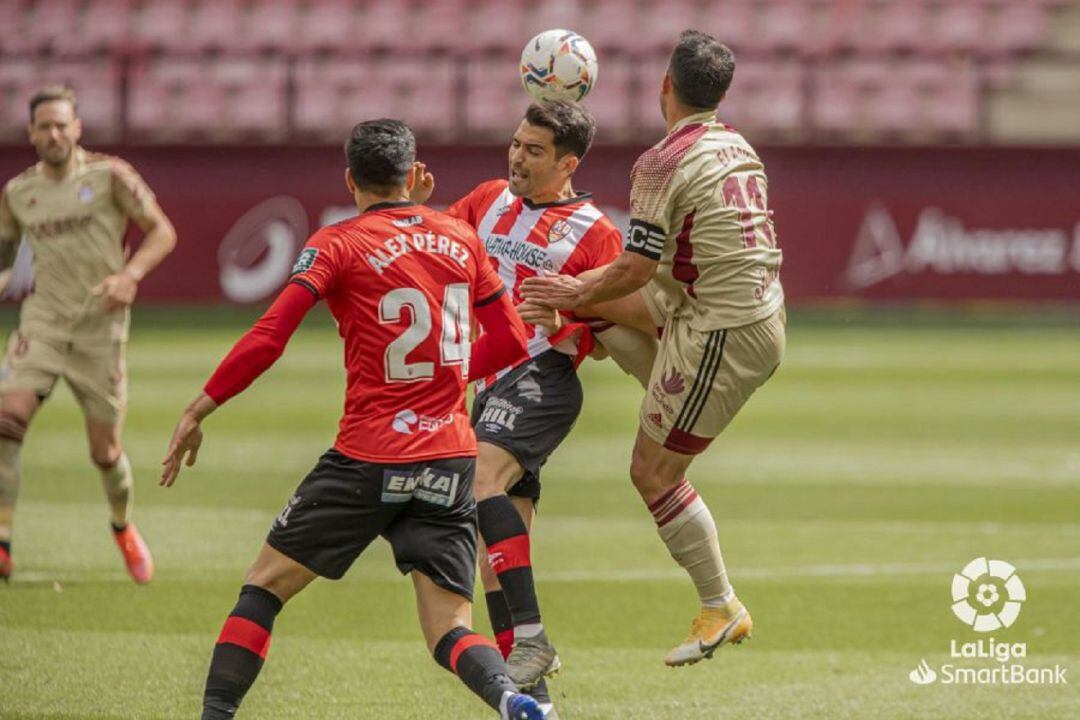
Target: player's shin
{"x": 507, "y": 540}
{"x": 502, "y": 624}
{"x": 119, "y": 486}
{"x": 687, "y": 528}
{"x": 240, "y": 651}
{"x": 477, "y": 662}
{"x": 11, "y": 435}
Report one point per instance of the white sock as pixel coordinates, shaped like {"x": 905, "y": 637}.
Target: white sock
{"x": 687, "y": 528}
{"x": 529, "y": 630}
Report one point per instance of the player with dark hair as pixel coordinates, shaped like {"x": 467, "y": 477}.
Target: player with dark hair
{"x": 702, "y": 264}
{"x": 533, "y": 223}
{"x": 73, "y": 208}
{"x": 403, "y": 283}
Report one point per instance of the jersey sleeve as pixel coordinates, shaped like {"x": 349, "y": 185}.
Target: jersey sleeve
{"x": 654, "y": 181}
{"x": 10, "y": 232}
{"x": 600, "y": 246}
{"x": 320, "y": 263}
{"x": 471, "y": 207}
{"x": 130, "y": 192}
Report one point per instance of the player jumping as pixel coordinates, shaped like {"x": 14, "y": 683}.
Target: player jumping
{"x": 532, "y": 224}
{"x": 73, "y": 207}
{"x": 402, "y": 281}
{"x": 702, "y": 264}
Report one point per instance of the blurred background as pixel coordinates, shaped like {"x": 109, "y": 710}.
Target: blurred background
{"x": 916, "y": 149}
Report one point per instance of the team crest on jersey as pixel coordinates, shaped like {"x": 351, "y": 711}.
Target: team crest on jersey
{"x": 86, "y": 194}
{"x": 305, "y": 261}
{"x": 560, "y": 230}
{"x": 673, "y": 384}
{"x": 503, "y": 210}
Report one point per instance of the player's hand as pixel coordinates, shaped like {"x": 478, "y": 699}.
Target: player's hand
{"x": 117, "y": 290}
{"x": 556, "y": 291}
{"x": 423, "y": 184}
{"x": 186, "y": 439}
{"x": 541, "y": 315}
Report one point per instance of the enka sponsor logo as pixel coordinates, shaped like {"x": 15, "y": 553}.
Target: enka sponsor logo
{"x": 942, "y": 244}
{"x": 426, "y": 484}
{"x": 986, "y": 596}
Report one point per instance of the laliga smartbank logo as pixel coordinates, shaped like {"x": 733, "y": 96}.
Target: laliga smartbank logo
{"x": 987, "y": 596}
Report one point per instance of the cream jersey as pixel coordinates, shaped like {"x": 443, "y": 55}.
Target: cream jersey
{"x": 75, "y": 227}
{"x": 698, "y": 206}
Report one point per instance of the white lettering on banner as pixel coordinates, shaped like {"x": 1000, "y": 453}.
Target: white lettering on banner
{"x": 941, "y": 244}
{"x": 257, "y": 253}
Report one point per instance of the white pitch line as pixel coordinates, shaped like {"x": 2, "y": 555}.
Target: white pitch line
{"x": 630, "y": 574}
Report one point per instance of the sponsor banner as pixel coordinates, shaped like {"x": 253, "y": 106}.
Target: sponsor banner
{"x": 878, "y": 224}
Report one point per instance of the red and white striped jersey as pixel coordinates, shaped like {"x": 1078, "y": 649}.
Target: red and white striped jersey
{"x": 523, "y": 239}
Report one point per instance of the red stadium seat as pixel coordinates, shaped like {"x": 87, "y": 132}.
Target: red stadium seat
{"x": 328, "y": 25}
{"x": 423, "y": 94}
{"x": 612, "y": 24}
{"x": 164, "y": 24}
{"x": 18, "y": 80}
{"x": 1016, "y": 27}
{"x": 272, "y": 24}
{"x": 650, "y": 74}
{"x": 780, "y": 26}
{"x": 662, "y": 22}
{"x": 325, "y": 91}
{"x": 13, "y": 18}
{"x": 551, "y": 14}
{"x": 610, "y": 100}
{"x": 437, "y": 26}
{"x": 384, "y": 25}
{"x": 766, "y": 97}
{"x": 216, "y": 24}
{"x": 957, "y": 26}
{"x": 949, "y": 97}
{"x": 889, "y": 26}
{"x": 105, "y": 25}
{"x": 49, "y": 25}
{"x": 495, "y": 25}
{"x": 255, "y": 93}
{"x": 496, "y": 100}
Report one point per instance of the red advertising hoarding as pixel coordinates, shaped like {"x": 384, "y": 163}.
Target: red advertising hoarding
{"x": 877, "y": 224}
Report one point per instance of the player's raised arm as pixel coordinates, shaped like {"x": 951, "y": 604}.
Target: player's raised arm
{"x": 135, "y": 199}
{"x": 252, "y": 355}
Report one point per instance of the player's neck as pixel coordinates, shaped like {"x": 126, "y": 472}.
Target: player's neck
{"x": 677, "y": 113}
{"x": 365, "y": 200}
{"x": 59, "y": 172}
{"x": 564, "y": 193}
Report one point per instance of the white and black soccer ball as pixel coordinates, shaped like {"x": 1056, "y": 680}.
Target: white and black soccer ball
{"x": 558, "y": 65}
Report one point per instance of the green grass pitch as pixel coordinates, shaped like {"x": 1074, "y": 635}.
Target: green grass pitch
{"x": 878, "y": 462}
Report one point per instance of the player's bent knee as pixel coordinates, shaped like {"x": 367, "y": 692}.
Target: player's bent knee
{"x": 12, "y": 426}
{"x": 106, "y": 458}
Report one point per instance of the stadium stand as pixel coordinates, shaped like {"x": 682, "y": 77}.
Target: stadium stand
{"x": 268, "y": 70}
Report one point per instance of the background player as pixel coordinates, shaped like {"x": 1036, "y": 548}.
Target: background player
{"x": 531, "y": 224}
{"x": 701, "y": 243}
{"x": 402, "y": 279}
{"x": 73, "y": 207}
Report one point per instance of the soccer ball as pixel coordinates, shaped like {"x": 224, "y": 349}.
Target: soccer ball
{"x": 558, "y": 65}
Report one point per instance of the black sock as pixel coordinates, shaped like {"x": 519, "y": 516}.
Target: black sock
{"x": 507, "y": 541}
{"x": 240, "y": 651}
{"x": 5, "y": 545}
{"x": 476, "y": 660}
{"x": 502, "y": 625}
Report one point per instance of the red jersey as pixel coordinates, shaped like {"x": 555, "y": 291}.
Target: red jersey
{"x": 522, "y": 239}
{"x": 401, "y": 281}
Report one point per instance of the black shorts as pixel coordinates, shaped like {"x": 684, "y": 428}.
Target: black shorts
{"x": 528, "y": 412}
{"x": 424, "y": 509}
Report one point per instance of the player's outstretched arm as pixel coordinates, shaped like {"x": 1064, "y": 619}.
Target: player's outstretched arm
{"x": 249, "y": 358}
{"x": 503, "y": 342}
{"x": 629, "y": 272}
{"x": 10, "y": 236}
